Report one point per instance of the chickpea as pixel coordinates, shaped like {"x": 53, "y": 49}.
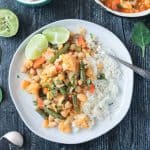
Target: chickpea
{"x": 57, "y": 120}
{"x": 50, "y": 118}
{"x": 72, "y": 47}
{"x": 75, "y": 54}
{"x": 81, "y": 55}
{"x": 32, "y": 71}
{"x": 52, "y": 124}
{"x": 46, "y": 102}
{"x": 78, "y": 89}
{"x": 82, "y": 97}
{"x": 65, "y": 113}
{"x": 36, "y": 78}
{"x": 80, "y": 82}
{"x": 68, "y": 105}
{"x": 65, "y": 126}
{"x": 28, "y": 64}
{"x": 60, "y": 46}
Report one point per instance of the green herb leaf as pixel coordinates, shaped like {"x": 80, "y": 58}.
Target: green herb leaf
{"x": 1, "y": 95}
{"x": 141, "y": 36}
{"x": 53, "y": 113}
{"x": 54, "y": 92}
{"x": 63, "y": 90}
{"x": 101, "y": 76}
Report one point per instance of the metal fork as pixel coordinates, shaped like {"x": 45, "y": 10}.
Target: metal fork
{"x": 142, "y": 72}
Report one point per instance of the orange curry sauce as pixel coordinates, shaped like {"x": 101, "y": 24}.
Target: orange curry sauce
{"x": 127, "y": 6}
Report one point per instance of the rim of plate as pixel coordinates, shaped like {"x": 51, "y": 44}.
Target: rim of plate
{"x": 115, "y": 123}
{"x": 33, "y": 2}
{"x": 131, "y": 15}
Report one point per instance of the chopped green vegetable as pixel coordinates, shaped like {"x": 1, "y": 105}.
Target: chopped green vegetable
{"x": 57, "y": 83}
{"x": 101, "y": 76}
{"x": 141, "y": 36}
{"x": 42, "y": 113}
{"x": 63, "y": 90}
{"x": 59, "y": 109}
{"x": 75, "y": 103}
{"x": 88, "y": 82}
{"x": 58, "y": 53}
{"x": 53, "y": 113}
{"x": 47, "y": 86}
{"x": 73, "y": 80}
{"x": 35, "y": 103}
{"x": 1, "y": 95}
{"x": 82, "y": 71}
{"x": 54, "y": 92}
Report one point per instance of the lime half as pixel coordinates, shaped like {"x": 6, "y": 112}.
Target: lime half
{"x": 36, "y": 46}
{"x": 9, "y": 23}
{"x": 57, "y": 35}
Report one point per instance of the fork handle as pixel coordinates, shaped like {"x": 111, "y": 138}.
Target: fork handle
{"x": 142, "y": 72}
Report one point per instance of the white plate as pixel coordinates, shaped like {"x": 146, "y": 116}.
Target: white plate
{"x": 23, "y": 101}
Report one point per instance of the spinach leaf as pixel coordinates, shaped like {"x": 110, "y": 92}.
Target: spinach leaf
{"x": 141, "y": 36}
{"x": 1, "y": 95}
{"x": 0, "y": 55}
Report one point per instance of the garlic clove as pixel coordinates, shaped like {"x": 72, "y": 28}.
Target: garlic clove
{"x": 14, "y": 137}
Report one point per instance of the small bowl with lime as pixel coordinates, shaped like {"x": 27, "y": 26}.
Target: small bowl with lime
{"x": 34, "y": 3}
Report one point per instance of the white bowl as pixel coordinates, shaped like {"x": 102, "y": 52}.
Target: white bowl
{"x": 23, "y": 101}
{"x": 132, "y": 15}
{"x": 34, "y": 3}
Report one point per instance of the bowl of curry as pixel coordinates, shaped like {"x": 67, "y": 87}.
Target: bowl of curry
{"x": 126, "y": 8}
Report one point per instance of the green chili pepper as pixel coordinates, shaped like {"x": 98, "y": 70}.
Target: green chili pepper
{"x": 82, "y": 71}
{"x": 58, "y": 53}
{"x": 42, "y": 113}
{"x": 53, "y": 113}
{"x": 75, "y": 103}
{"x": 54, "y": 92}
{"x": 63, "y": 90}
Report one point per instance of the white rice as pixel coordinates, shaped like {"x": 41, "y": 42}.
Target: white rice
{"x": 106, "y": 91}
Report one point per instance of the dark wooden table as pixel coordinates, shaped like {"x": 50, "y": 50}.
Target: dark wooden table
{"x": 133, "y": 133}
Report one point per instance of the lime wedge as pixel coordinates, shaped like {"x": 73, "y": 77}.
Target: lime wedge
{"x": 57, "y": 35}
{"x": 37, "y": 44}
{"x": 9, "y": 23}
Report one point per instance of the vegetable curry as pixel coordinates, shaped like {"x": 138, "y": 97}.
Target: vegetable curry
{"x": 59, "y": 80}
{"x": 127, "y": 6}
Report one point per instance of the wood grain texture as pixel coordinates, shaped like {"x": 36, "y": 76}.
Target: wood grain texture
{"x": 133, "y": 133}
